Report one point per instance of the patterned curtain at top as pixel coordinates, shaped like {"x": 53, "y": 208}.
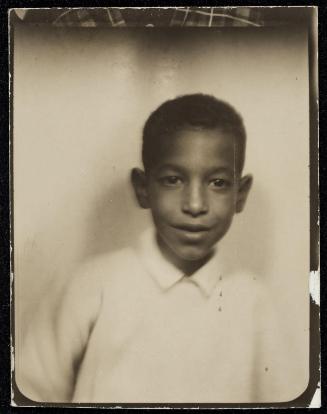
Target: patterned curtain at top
{"x": 217, "y": 16}
{"x": 89, "y": 17}
{"x": 151, "y": 17}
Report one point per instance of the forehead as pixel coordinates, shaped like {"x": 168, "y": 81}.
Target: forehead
{"x": 197, "y": 148}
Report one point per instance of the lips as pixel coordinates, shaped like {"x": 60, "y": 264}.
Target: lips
{"x": 192, "y": 228}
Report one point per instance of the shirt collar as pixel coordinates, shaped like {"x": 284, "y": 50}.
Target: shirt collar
{"x": 167, "y": 275}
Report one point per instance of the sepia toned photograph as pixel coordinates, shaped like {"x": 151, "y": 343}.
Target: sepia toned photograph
{"x": 164, "y": 203}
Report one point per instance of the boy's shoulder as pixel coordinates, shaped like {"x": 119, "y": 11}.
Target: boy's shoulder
{"x": 106, "y": 268}
{"x": 250, "y": 290}
{"x": 105, "y": 275}
{"x": 245, "y": 282}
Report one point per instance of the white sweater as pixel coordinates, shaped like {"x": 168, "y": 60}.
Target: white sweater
{"x": 132, "y": 328}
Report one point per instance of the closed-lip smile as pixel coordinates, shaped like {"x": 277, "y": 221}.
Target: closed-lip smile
{"x": 194, "y": 228}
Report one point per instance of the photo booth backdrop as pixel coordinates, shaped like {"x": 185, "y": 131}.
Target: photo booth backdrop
{"x": 80, "y": 99}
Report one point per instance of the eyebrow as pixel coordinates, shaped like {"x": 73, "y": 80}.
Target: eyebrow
{"x": 213, "y": 170}
{"x": 218, "y": 170}
{"x": 170, "y": 167}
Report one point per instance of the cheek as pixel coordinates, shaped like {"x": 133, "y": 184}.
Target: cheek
{"x": 222, "y": 213}
{"x": 164, "y": 204}
{"x": 223, "y": 206}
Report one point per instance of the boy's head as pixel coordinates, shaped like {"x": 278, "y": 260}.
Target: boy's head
{"x": 187, "y": 112}
{"x": 193, "y": 154}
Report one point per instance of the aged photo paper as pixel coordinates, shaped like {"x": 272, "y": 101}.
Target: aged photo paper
{"x": 164, "y": 205}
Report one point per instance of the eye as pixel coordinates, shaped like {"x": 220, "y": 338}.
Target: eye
{"x": 220, "y": 183}
{"x": 171, "y": 181}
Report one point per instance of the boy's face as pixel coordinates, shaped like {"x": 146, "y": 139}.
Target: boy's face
{"x": 193, "y": 191}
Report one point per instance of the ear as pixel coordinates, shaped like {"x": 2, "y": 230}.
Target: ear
{"x": 243, "y": 191}
{"x": 138, "y": 179}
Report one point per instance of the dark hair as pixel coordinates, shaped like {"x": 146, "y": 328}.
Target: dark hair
{"x": 187, "y": 111}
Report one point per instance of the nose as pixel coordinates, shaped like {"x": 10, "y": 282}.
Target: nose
{"x": 195, "y": 200}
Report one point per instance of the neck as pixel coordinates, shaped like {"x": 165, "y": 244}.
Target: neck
{"x": 188, "y": 267}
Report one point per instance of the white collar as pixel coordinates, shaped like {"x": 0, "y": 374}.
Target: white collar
{"x": 167, "y": 275}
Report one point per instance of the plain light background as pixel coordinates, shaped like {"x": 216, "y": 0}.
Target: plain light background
{"x": 80, "y": 99}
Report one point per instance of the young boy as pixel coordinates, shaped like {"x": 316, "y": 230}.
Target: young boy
{"x": 162, "y": 322}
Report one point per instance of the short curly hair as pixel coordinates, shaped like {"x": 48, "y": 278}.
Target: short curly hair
{"x": 191, "y": 111}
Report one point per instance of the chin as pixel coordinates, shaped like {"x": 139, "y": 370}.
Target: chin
{"x": 193, "y": 255}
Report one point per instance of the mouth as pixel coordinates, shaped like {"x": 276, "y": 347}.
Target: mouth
{"x": 192, "y": 233}
{"x": 192, "y": 228}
